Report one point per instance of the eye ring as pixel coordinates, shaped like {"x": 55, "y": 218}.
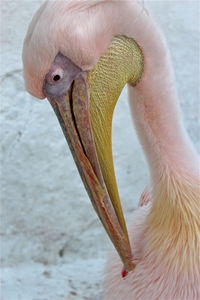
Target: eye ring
{"x": 57, "y": 75}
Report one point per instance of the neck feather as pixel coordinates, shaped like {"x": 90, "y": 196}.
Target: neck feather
{"x": 173, "y": 225}
{"x": 155, "y": 107}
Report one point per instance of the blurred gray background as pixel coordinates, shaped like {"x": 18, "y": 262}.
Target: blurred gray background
{"x": 52, "y": 244}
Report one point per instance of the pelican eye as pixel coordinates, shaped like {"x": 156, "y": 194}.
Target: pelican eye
{"x": 56, "y": 77}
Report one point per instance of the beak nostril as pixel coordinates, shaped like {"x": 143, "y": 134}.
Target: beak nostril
{"x": 56, "y": 77}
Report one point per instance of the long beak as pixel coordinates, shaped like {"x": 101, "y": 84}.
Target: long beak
{"x": 85, "y": 115}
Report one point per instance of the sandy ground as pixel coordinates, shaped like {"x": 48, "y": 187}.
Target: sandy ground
{"x": 46, "y": 282}
{"x": 52, "y": 244}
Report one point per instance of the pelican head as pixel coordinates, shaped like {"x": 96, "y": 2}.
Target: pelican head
{"x": 76, "y": 56}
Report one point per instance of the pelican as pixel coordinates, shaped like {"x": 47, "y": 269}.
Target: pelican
{"x": 79, "y": 55}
